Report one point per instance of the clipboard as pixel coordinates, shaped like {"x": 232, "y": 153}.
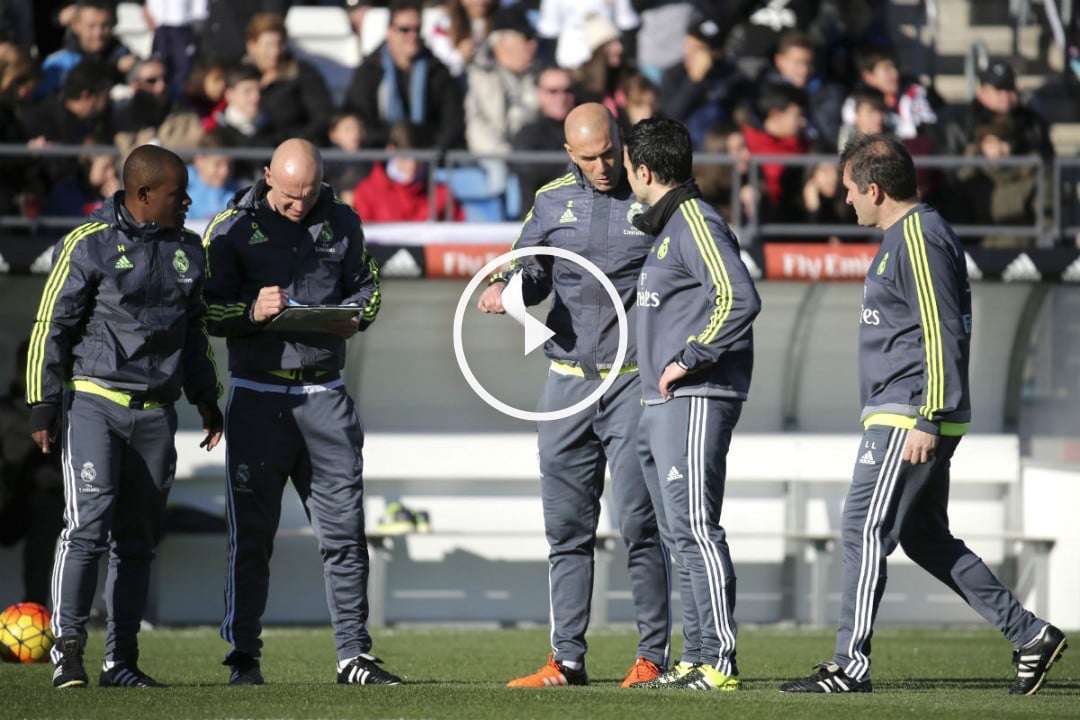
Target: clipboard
{"x": 312, "y": 318}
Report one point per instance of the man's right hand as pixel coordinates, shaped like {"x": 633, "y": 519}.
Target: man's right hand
{"x": 270, "y": 302}
{"x": 491, "y": 299}
{"x": 44, "y": 425}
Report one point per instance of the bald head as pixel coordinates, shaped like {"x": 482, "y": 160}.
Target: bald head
{"x": 592, "y": 141}
{"x": 147, "y": 166}
{"x": 294, "y": 178}
{"x": 588, "y": 120}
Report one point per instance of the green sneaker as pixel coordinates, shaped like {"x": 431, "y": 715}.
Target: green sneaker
{"x": 675, "y": 672}
{"x": 706, "y": 677}
{"x": 396, "y": 520}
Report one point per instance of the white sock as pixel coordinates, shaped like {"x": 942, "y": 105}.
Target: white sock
{"x": 342, "y": 664}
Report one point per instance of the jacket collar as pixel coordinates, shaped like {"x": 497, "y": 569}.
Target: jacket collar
{"x": 621, "y": 190}
{"x": 653, "y": 220}
{"x": 113, "y": 212}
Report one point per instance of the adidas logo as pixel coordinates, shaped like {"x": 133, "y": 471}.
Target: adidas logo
{"x": 751, "y": 266}
{"x": 974, "y": 273}
{"x": 258, "y": 237}
{"x": 568, "y": 216}
{"x": 867, "y": 459}
{"x": 43, "y": 262}
{"x": 123, "y": 263}
{"x": 1072, "y": 273}
{"x": 674, "y": 474}
{"x": 1021, "y": 269}
{"x": 401, "y": 264}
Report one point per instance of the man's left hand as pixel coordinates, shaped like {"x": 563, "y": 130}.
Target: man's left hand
{"x": 672, "y": 374}
{"x": 213, "y": 424}
{"x": 920, "y": 447}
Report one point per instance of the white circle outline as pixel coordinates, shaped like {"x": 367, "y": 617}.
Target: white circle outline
{"x": 459, "y": 350}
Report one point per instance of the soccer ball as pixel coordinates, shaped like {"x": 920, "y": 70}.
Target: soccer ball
{"x": 24, "y": 633}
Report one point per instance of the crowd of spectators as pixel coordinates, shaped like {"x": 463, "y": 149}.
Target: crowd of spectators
{"x": 498, "y": 77}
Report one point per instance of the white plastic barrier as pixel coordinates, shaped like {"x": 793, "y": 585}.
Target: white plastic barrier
{"x": 782, "y": 511}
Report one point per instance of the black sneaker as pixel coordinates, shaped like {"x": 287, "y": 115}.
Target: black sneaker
{"x": 828, "y": 679}
{"x": 1033, "y": 660}
{"x": 245, "y": 669}
{"x": 70, "y": 671}
{"x": 364, "y": 670}
{"x": 127, "y": 676}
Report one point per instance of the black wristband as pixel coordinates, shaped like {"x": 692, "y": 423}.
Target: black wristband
{"x": 43, "y": 417}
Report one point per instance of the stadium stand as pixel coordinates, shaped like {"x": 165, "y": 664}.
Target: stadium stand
{"x": 323, "y": 36}
{"x": 373, "y": 31}
{"x": 132, "y": 30}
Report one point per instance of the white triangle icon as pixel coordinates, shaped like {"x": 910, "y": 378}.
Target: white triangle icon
{"x": 536, "y": 332}
{"x": 401, "y": 264}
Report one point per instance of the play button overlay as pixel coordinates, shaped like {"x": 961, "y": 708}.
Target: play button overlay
{"x": 536, "y": 333}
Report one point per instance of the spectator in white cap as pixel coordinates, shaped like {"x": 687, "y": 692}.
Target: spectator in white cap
{"x": 598, "y": 78}
{"x": 564, "y": 22}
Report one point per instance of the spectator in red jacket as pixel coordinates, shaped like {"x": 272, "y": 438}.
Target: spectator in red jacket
{"x": 782, "y": 132}
{"x": 397, "y": 190}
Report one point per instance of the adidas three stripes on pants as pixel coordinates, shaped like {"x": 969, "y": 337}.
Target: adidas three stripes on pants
{"x": 118, "y": 465}
{"x": 892, "y": 502}
{"x": 683, "y": 447}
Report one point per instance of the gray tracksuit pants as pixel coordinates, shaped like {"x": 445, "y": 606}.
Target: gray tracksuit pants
{"x": 684, "y": 447}
{"x": 890, "y": 502}
{"x": 312, "y": 434}
{"x": 573, "y": 455}
{"x": 118, "y": 466}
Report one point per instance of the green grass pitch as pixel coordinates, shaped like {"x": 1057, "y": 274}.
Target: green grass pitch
{"x": 460, "y": 673}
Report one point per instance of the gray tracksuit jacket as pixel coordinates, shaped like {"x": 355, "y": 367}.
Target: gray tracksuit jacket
{"x": 570, "y": 213}
{"x": 123, "y": 307}
{"x": 322, "y": 260}
{"x": 696, "y": 301}
{"x": 915, "y": 328}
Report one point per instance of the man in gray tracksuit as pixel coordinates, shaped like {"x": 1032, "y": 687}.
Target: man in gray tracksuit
{"x": 589, "y": 211}
{"x": 914, "y": 347}
{"x": 696, "y": 303}
{"x": 119, "y": 332}
{"x": 285, "y": 240}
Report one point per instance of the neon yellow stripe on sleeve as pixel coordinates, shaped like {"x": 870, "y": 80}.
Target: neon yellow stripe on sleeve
{"x": 223, "y": 215}
{"x": 928, "y": 313}
{"x": 35, "y": 362}
{"x": 711, "y": 255}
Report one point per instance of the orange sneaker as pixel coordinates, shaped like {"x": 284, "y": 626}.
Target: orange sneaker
{"x": 551, "y": 675}
{"x": 641, "y": 671}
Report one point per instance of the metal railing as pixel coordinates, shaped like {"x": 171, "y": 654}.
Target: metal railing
{"x": 751, "y": 230}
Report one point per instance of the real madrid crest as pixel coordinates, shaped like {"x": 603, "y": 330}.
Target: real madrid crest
{"x": 180, "y": 262}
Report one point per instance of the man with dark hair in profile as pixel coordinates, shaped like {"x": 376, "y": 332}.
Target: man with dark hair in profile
{"x": 696, "y": 304}
{"x": 914, "y": 348}
{"x": 119, "y": 333}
